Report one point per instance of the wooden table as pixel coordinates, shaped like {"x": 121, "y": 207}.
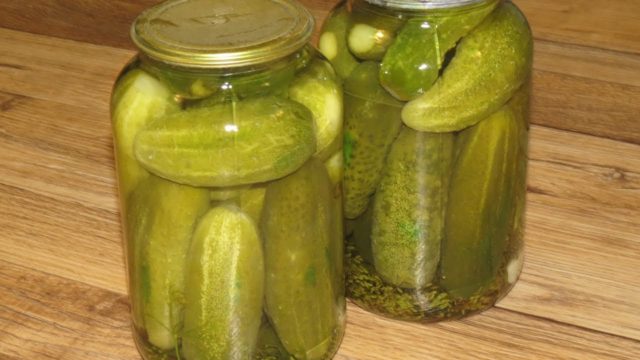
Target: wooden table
{"x": 62, "y": 284}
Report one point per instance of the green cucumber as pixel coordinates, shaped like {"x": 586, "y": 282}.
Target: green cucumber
{"x": 372, "y": 122}
{"x": 138, "y": 99}
{"x": 231, "y": 144}
{"x": 160, "y": 219}
{"x": 412, "y": 63}
{"x": 298, "y": 230}
{"x": 491, "y": 63}
{"x": 335, "y": 167}
{"x": 409, "y": 208}
{"x": 227, "y": 193}
{"x": 319, "y": 89}
{"x": 333, "y": 42}
{"x": 481, "y": 203}
{"x": 371, "y": 32}
{"x": 210, "y": 87}
{"x": 252, "y": 202}
{"x": 269, "y": 345}
{"x": 224, "y": 287}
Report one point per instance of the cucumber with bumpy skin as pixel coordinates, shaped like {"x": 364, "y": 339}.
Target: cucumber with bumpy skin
{"x": 224, "y": 287}
{"x": 298, "y": 231}
{"x": 491, "y": 63}
{"x": 409, "y": 208}
{"x": 333, "y": 42}
{"x": 319, "y": 89}
{"x": 138, "y": 99}
{"x": 160, "y": 219}
{"x": 481, "y": 203}
{"x": 372, "y": 122}
{"x": 232, "y": 144}
{"x": 411, "y": 65}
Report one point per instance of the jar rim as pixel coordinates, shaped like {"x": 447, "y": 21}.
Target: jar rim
{"x": 424, "y": 4}
{"x": 222, "y": 33}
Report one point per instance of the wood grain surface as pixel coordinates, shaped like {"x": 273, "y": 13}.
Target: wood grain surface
{"x": 62, "y": 285}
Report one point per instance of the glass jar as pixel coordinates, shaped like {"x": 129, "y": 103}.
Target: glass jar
{"x": 436, "y": 136}
{"x": 228, "y": 141}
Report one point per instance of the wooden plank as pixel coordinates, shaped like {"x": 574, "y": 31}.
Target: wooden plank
{"x": 63, "y": 238}
{"x": 106, "y": 22}
{"x": 63, "y": 71}
{"x": 47, "y": 317}
{"x": 495, "y": 334}
{"x": 608, "y": 25}
{"x": 102, "y": 22}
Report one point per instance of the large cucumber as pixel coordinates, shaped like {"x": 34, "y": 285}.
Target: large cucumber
{"x": 372, "y": 120}
{"x": 481, "y": 203}
{"x": 230, "y": 144}
{"x": 490, "y": 64}
{"x": 298, "y": 231}
{"x": 160, "y": 219}
{"x": 333, "y": 42}
{"x": 319, "y": 89}
{"x": 224, "y": 287}
{"x": 138, "y": 98}
{"x": 409, "y": 208}
{"x": 371, "y": 31}
{"x": 412, "y": 62}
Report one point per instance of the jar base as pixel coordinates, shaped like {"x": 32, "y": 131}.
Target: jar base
{"x": 427, "y": 305}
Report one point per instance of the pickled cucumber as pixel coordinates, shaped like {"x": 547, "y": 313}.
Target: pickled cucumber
{"x": 409, "y": 208}
{"x": 372, "y": 122}
{"x": 227, "y": 193}
{"x": 481, "y": 203}
{"x": 371, "y": 32}
{"x": 232, "y": 144}
{"x": 362, "y": 234}
{"x": 333, "y": 42}
{"x": 300, "y": 298}
{"x": 138, "y": 98}
{"x": 412, "y": 62}
{"x": 197, "y": 85}
{"x": 335, "y": 168}
{"x": 491, "y": 63}
{"x": 319, "y": 89}
{"x": 224, "y": 287}
{"x": 269, "y": 345}
{"x": 252, "y": 202}
{"x": 160, "y": 219}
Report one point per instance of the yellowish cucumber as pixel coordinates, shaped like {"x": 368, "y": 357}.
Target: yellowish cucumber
{"x": 333, "y": 42}
{"x": 409, "y": 208}
{"x": 299, "y": 247}
{"x": 224, "y": 287}
{"x": 230, "y": 144}
{"x": 481, "y": 203}
{"x": 138, "y": 98}
{"x": 490, "y": 64}
{"x": 160, "y": 219}
{"x": 319, "y": 89}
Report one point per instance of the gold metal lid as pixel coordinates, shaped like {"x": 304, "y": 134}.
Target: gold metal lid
{"x": 423, "y": 4}
{"x": 222, "y": 33}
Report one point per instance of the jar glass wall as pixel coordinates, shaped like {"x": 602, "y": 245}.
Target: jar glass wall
{"x": 229, "y": 162}
{"x": 435, "y": 144}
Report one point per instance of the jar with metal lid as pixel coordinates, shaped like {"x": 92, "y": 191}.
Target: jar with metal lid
{"x": 436, "y": 136}
{"x": 228, "y": 140}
